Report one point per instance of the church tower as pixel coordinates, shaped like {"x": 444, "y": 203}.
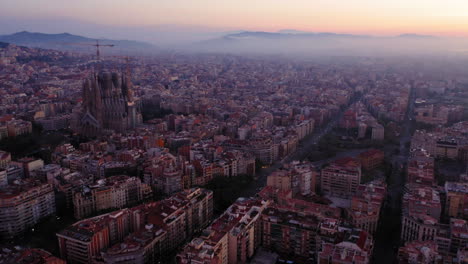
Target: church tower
{"x": 108, "y": 105}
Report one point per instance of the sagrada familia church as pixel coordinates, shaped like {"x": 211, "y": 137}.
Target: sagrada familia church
{"x": 108, "y": 105}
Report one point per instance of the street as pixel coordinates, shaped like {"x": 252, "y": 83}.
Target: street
{"x": 387, "y": 238}
{"x": 300, "y": 153}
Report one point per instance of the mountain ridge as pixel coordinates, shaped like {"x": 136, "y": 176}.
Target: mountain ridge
{"x": 322, "y": 43}
{"x": 291, "y": 33}
{"x": 66, "y": 41}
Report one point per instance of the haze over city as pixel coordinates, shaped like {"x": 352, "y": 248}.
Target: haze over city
{"x": 180, "y": 20}
{"x": 234, "y": 132}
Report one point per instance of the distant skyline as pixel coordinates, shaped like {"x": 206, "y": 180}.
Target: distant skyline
{"x": 385, "y": 17}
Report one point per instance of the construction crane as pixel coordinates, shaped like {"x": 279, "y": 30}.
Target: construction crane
{"x": 97, "y": 45}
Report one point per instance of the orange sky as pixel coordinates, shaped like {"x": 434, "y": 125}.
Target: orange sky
{"x": 381, "y": 17}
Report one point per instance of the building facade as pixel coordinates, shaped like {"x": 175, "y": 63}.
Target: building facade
{"x": 113, "y": 192}
{"x": 147, "y": 233}
{"x": 341, "y": 178}
{"x": 232, "y": 238}
{"x": 23, "y": 205}
{"x": 421, "y": 214}
{"x": 456, "y": 199}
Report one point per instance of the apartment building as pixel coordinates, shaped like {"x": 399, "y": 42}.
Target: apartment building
{"x": 458, "y": 235}
{"x": 84, "y": 240}
{"x": 289, "y": 232}
{"x": 29, "y": 165}
{"x": 147, "y": 233}
{"x": 421, "y": 213}
{"x": 21, "y": 255}
{"x": 419, "y": 252}
{"x": 371, "y": 159}
{"x": 353, "y": 246}
{"x": 341, "y": 178}
{"x": 366, "y": 205}
{"x": 24, "y": 204}
{"x": 18, "y": 128}
{"x": 113, "y": 192}
{"x": 421, "y": 168}
{"x": 232, "y": 238}
{"x": 5, "y": 159}
{"x": 456, "y": 201}
{"x": 141, "y": 247}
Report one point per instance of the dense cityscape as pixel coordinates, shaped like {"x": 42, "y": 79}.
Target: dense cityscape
{"x": 214, "y": 158}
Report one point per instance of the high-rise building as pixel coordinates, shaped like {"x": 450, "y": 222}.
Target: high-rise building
{"x": 108, "y": 104}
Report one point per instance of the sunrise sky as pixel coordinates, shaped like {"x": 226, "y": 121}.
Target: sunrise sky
{"x": 380, "y": 17}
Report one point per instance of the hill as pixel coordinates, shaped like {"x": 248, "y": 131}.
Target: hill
{"x": 69, "y": 42}
{"x": 302, "y": 43}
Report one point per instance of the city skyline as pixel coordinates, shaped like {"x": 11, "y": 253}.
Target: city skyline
{"x": 234, "y": 132}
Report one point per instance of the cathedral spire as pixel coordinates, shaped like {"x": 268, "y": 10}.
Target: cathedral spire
{"x": 108, "y": 105}
{"x": 128, "y": 78}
